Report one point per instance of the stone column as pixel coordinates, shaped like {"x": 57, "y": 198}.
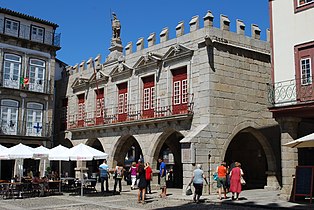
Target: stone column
{"x": 289, "y": 156}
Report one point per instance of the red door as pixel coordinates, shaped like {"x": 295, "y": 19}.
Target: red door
{"x": 180, "y": 94}
{"x": 81, "y": 110}
{"x": 122, "y": 101}
{"x": 99, "y": 106}
{"x": 148, "y": 96}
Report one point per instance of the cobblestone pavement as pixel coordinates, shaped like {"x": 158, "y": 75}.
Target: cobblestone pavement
{"x": 110, "y": 202}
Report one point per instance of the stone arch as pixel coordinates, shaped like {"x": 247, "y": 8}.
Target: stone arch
{"x": 170, "y": 138}
{"x": 121, "y": 148}
{"x": 248, "y": 127}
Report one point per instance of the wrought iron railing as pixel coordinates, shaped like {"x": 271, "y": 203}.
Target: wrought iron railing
{"x": 24, "y": 32}
{"x": 163, "y": 107}
{"x": 290, "y": 92}
{"x": 23, "y": 128}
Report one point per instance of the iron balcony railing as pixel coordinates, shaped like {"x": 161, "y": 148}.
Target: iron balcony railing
{"x": 23, "y": 128}
{"x": 24, "y": 32}
{"x": 39, "y": 86}
{"x": 290, "y": 92}
{"x": 162, "y": 107}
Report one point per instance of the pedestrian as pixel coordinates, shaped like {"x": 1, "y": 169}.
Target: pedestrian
{"x": 133, "y": 171}
{"x": 104, "y": 175}
{"x": 197, "y": 180}
{"x": 222, "y": 179}
{"x": 162, "y": 173}
{"x": 148, "y": 176}
{"x": 235, "y": 183}
{"x": 118, "y": 171}
{"x": 142, "y": 184}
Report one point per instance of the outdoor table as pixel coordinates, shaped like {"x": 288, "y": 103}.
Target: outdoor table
{"x": 54, "y": 185}
{"x": 12, "y": 188}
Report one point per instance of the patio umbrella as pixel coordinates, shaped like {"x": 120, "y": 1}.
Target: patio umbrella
{"x": 3, "y": 153}
{"x": 41, "y": 153}
{"x": 305, "y": 141}
{"x": 82, "y": 152}
{"x": 59, "y": 153}
{"x": 19, "y": 152}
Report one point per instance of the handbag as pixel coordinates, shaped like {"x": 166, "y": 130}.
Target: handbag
{"x": 242, "y": 181}
{"x": 188, "y": 190}
{"x": 215, "y": 176}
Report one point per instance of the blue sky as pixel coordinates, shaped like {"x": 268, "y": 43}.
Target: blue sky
{"x": 85, "y": 25}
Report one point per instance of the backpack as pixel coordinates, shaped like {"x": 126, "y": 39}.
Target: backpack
{"x": 119, "y": 172}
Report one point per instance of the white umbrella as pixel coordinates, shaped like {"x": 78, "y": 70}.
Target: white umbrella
{"x": 84, "y": 152}
{"x": 19, "y": 152}
{"x": 305, "y": 141}
{"x": 59, "y": 153}
{"x": 41, "y": 153}
{"x": 3, "y": 153}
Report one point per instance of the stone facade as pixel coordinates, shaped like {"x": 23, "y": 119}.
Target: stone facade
{"x": 226, "y": 81}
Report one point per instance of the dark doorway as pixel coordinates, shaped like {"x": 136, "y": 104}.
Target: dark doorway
{"x": 246, "y": 149}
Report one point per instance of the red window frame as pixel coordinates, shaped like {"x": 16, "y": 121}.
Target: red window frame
{"x": 305, "y": 85}
{"x": 81, "y": 110}
{"x": 301, "y": 7}
{"x": 180, "y": 90}
{"x": 100, "y": 105}
{"x": 148, "y": 96}
{"x": 122, "y": 101}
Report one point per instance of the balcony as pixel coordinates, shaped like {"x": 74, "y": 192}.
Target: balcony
{"x": 23, "y": 128}
{"x": 24, "y": 32}
{"x": 291, "y": 92}
{"x": 133, "y": 113}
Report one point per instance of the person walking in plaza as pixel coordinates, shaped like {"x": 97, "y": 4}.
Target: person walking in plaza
{"x": 142, "y": 184}
{"x": 148, "y": 176}
{"x": 197, "y": 180}
{"x": 118, "y": 172}
{"x": 104, "y": 175}
{"x": 222, "y": 179}
{"x": 133, "y": 171}
{"x": 162, "y": 173}
{"x": 235, "y": 183}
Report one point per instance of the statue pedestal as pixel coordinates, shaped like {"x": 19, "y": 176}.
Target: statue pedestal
{"x": 116, "y": 49}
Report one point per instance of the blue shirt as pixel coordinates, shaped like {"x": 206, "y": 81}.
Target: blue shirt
{"x": 103, "y": 170}
{"x": 162, "y": 166}
{"x": 198, "y": 176}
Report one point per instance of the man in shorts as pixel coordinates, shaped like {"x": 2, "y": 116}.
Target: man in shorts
{"x": 162, "y": 173}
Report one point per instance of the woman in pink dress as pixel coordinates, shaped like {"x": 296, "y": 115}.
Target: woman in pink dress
{"x": 235, "y": 184}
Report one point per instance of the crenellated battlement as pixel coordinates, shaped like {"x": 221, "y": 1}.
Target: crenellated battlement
{"x": 195, "y": 31}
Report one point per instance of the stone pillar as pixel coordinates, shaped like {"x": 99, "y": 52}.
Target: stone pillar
{"x": 128, "y": 48}
{"x": 164, "y": 35}
{"x": 289, "y": 156}
{"x": 224, "y": 23}
{"x": 256, "y": 31}
{"x": 208, "y": 19}
{"x": 180, "y": 29}
{"x": 140, "y": 44}
{"x": 194, "y": 23}
{"x": 240, "y": 27}
{"x": 151, "y": 39}
{"x": 268, "y": 34}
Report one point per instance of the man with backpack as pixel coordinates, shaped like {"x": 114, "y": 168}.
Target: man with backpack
{"x": 119, "y": 171}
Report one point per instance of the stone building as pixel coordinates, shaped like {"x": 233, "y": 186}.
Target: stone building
{"x": 291, "y": 89}
{"x": 200, "y": 97}
{"x": 28, "y": 48}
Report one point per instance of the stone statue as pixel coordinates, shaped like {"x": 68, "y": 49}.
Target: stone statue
{"x": 116, "y": 26}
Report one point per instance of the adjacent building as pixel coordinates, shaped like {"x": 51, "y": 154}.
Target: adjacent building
{"x": 291, "y": 88}
{"x": 28, "y": 47}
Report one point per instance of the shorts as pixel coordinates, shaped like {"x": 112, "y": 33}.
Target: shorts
{"x": 163, "y": 182}
{"x": 221, "y": 182}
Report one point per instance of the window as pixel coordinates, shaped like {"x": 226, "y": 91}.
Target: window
{"x": 180, "y": 90}
{"x": 300, "y": 5}
{"x": 36, "y": 75}
{"x": 306, "y": 73}
{"x": 37, "y": 33}
{"x": 12, "y": 68}
{"x": 11, "y": 27}
{"x": 64, "y": 114}
{"x": 9, "y": 116}
{"x": 34, "y": 119}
